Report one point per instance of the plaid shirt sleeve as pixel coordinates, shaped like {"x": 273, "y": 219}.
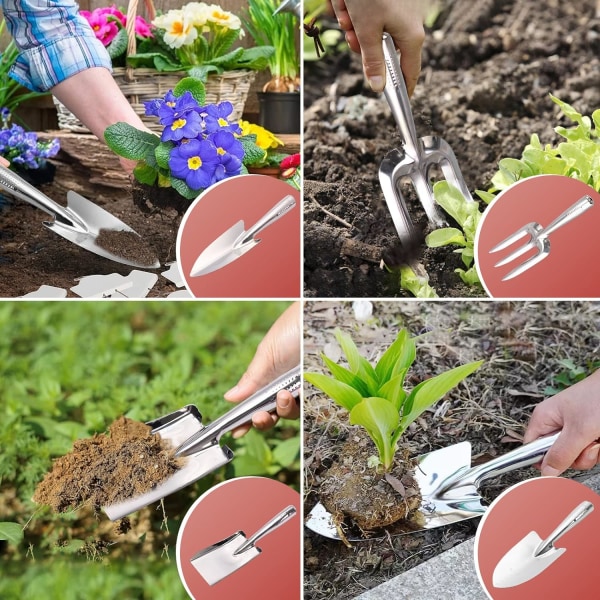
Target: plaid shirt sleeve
{"x": 55, "y": 42}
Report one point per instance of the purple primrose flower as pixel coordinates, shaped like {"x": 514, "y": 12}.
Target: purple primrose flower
{"x": 216, "y": 118}
{"x": 195, "y": 162}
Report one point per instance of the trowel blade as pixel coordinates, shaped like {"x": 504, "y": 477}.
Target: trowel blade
{"x": 520, "y": 564}
{"x": 95, "y": 219}
{"x": 220, "y": 560}
{"x": 222, "y": 251}
{"x": 176, "y": 427}
{"x": 431, "y": 470}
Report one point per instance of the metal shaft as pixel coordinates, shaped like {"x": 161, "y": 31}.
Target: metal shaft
{"x": 285, "y": 515}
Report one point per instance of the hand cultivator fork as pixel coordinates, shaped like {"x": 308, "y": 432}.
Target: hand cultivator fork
{"x": 538, "y": 238}
{"x": 415, "y": 158}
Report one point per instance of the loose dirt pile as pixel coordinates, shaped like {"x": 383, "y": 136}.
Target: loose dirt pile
{"x": 126, "y": 461}
{"x": 126, "y": 244}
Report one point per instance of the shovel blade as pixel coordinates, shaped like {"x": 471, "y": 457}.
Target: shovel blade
{"x": 176, "y": 427}
{"x": 220, "y": 560}
{"x": 520, "y": 564}
{"x": 224, "y": 250}
{"x": 430, "y": 473}
{"x": 94, "y": 219}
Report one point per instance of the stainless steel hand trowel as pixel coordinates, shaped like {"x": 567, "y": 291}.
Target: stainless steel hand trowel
{"x": 532, "y": 555}
{"x": 81, "y": 222}
{"x": 236, "y": 241}
{"x": 227, "y": 556}
{"x": 200, "y": 444}
{"x": 449, "y": 486}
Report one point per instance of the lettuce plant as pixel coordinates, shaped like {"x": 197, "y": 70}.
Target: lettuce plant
{"x": 578, "y": 156}
{"x": 375, "y": 396}
{"x": 467, "y": 215}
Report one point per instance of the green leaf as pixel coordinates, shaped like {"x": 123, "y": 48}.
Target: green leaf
{"x": 345, "y": 376}
{"x": 145, "y": 174}
{"x": 428, "y": 392}
{"x": 253, "y": 154}
{"x": 470, "y": 277}
{"x": 118, "y": 46}
{"x": 184, "y": 189}
{"x": 380, "y": 419}
{"x": 287, "y": 452}
{"x": 192, "y": 85}
{"x": 417, "y": 286}
{"x": 400, "y": 355}
{"x": 129, "y": 142}
{"x": 393, "y": 390}
{"x": 359, "y": 365}
{"x": 255, "y": 58}
{"x": 203, "y": 71}
{"x": 445, "y": 237}
{"x": 568, "y": 110}
{"x": 12, "y": 532}
{"x": 487, "y": 197}
{"x": 163, "y": 153}
{"x": 339, "y": 392}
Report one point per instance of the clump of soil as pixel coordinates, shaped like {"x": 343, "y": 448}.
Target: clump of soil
{"x": 361, "y": 496}
{"x": 149, "y": 198}
{"x": 127, "y": 245}
{"x": 126, "y": 461}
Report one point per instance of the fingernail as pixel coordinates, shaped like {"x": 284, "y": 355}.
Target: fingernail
{"x": 548, "y": 471}
{"x": 377, "y": 84}
{"x": 232, "y": 392}
{"x": 285, "y": 402}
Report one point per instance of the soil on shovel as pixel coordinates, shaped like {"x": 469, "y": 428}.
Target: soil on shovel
{"x": 126, "y": 461}
{"x": 364, "y": 497}
{"x": 488, "y": 70}
{"x": 126, "y": 244}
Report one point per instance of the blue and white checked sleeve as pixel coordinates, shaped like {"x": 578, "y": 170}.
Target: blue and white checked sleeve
{"x": 55, "y": 42}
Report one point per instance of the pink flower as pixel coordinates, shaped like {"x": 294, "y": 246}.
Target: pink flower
{"x": 142, "y": 28}
{"x": 291, "y": 161}
{"x": 114, "y": 11}
{"x": 104, "y": 30}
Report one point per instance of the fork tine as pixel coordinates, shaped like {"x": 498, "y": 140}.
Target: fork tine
{"x": 531, "y": 262}
{"x": 511, "y": 239}
{"x": 519, "y": 252}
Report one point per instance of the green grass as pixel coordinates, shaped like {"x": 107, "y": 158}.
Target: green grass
{"x": 68, "y": 369}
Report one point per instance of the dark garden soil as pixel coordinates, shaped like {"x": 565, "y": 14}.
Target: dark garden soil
{"x": 125, "y": 462}
{"x": 522, "y": 345}
{"x": 488, "y": 69}
{"x": 31, "y": 255}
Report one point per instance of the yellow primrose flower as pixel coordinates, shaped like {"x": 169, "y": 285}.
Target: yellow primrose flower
{"x": 179, "y": 30}
{"x": 223, "y": 17}
{"x": 197, "y": 13}
{"x": 264, "y": 138}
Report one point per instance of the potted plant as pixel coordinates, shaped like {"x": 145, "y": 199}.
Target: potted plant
{"x": 199, "y": 145}
{"x": 371, "y": 476}
{"x": 280, "y": 98}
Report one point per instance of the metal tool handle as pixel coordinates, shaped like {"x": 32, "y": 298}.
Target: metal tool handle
{"x": 18, "y": 187}
{"x": 574, "y": 518}
{"x": 263, "y": 399}
{"x": 281, "y": 208}
{"x": 291, "y": 6}
{"x": 285, "y": 515}
{"x": 397, "y": 96}
{"x": 571, "y": 213}
{"x": 524, "y": 456}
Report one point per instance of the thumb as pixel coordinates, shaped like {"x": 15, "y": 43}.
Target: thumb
{"x": 561, "y": 455}
{"x": 372, "y": 58}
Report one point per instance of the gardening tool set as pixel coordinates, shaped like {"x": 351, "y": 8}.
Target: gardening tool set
{"x": 533, "y": 555}
{"x": 227, "y": 556}
{"x": 449, "y": 485}
{"x": 199, "y": 444}
{"x": 236, "y": 241}
{"x": 536, "y": 236}
{"x": 415, "y": 159}
{"x": 80, "y": 222}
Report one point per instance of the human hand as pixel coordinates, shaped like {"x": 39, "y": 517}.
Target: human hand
{"x": 4, "y": 162}
{"x": 364, "y": 22}
{"x": 278, "y": 352}
{"x": 576, "y": 413}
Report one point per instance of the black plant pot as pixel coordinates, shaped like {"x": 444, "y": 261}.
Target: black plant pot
{"x": 279, "y": 111}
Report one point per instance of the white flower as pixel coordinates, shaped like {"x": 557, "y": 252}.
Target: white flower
{"x": 179, "y": 30}
{"x": 197, "y": 13}
{"x": 222, "y": 17}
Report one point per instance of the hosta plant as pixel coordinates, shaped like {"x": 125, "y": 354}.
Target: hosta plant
{"x": 375, "y": 396}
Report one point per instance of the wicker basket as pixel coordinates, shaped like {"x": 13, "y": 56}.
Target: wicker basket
{"x": 141, "y": 85}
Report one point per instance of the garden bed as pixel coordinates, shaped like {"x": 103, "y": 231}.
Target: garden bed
{"x": 527, "y": 349}
{"x": 488, "y": 70}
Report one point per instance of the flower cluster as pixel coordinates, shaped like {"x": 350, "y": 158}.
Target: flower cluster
{"x": 206, "y": 148}
{"x": 22, "y": 147}
{"x": 290, "y": 170}
{"x": 108, "y": 24}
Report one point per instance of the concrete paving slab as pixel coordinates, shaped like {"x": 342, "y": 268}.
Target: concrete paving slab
{"x": 448, "y": 576}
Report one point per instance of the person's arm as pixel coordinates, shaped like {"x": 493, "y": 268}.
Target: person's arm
{"x": 365, "y": 21}
{"x": 60, "y": 53}
{"x": 575, "y": 412}
{"x": 278, "y": 352}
